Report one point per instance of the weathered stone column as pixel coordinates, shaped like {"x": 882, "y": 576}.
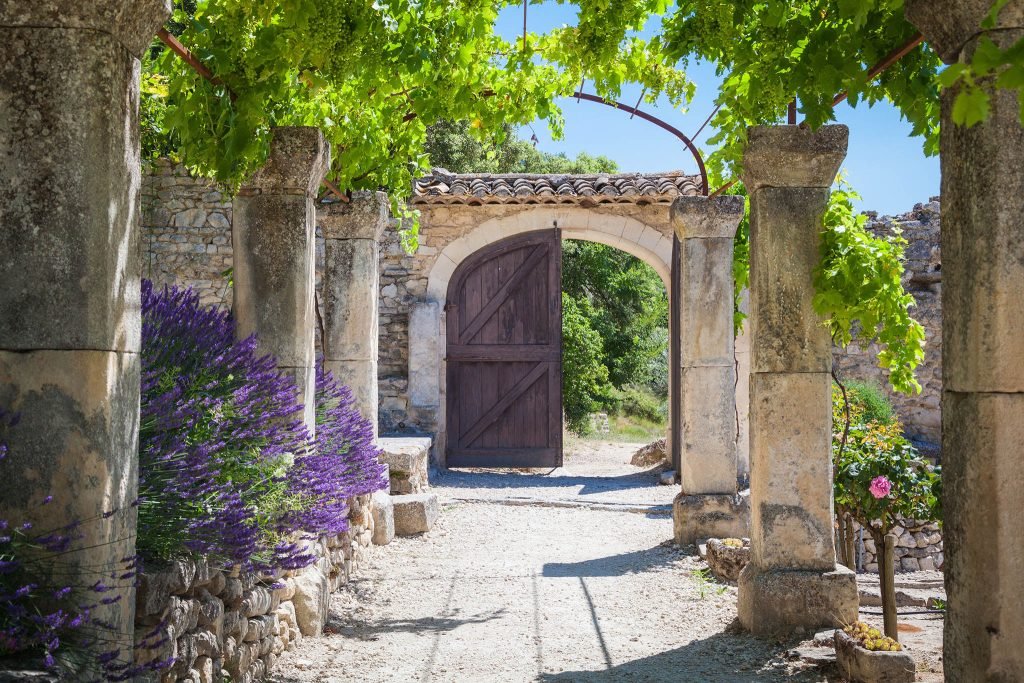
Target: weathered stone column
{"x": 708, "y": 505}
{"x": 351, "y": 282}
{"x": 792, "y": 579}
{"x": 69, "y": 268}
{"x": 982, "y": 356}
{"x": 274, "y": 248}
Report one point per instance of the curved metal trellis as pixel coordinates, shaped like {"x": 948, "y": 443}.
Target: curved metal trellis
{"x": 633, "y": 111}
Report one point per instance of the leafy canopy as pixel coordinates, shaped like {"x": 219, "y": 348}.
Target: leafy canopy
{"x": 373, "y": 74}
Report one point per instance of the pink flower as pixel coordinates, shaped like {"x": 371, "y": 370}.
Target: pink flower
{"x": 880, "y": 487}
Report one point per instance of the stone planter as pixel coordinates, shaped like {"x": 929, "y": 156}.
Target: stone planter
{"x": 859, "y": 665}
{"x": 726, "y": 561}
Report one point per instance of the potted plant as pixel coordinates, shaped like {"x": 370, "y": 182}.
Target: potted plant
{"x": 865, "y": 655}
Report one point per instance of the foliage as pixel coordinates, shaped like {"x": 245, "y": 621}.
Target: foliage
{"x": 770, "y": 51}
{"x": 226, "y": 465}
{"x": 373, "y": 74}
{"x": 629, "y": 305}
{"x": 639, "y": 402}
{"x": 585, "y": 378}
{"x": 47, "y": 621}
{"x": 868, "y": 402}
{"x": 452, "y": 146}
{"x": 858, "y": 290}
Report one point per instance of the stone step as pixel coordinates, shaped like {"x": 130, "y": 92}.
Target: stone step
{"x": 383, "y": 508}
{"x": 407, "y": 458}
{"x": 415, "y": 513}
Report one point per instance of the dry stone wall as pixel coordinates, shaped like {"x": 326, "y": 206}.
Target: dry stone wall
{"x": 920, "y": 413}
{"x": 229, "y": 625}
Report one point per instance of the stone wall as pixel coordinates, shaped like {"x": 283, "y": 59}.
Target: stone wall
{"x": 920, "y": 413}
{"x": 228, "y": 625}
{"x": 918, "y": 547}
{"x": 186, "y": 232}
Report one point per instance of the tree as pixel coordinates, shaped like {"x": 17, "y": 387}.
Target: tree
{"x": 451, "y": 145}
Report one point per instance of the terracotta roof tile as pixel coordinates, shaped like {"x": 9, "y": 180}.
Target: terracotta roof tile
{"x": 442, "y": 187}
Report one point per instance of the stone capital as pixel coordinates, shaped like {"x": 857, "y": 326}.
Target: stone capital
{"x": 793, "y": 156}
{"x": 706, "y": 217}
{"x": 363, "y": 217}
{"x": 298, "y": 161}
{"x": 948, "y": 25}
{"x": 133, "y": 23}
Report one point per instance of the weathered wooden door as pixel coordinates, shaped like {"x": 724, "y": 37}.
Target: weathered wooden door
{"x": 504, "y": 331}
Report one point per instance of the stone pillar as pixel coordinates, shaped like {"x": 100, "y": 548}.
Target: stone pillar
{"x": 70, "y": 271}
{"x": 351, "y": 282}
{"x": 708, "y": 505}
{"x": 792, "y": 579}
{"x": 274, "y": 217}
{"x": 982, "y": 356}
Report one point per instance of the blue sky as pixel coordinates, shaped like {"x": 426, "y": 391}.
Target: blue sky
{"x": 884, "y": 164}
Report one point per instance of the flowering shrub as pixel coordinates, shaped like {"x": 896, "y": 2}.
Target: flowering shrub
{"x": 879, "y": 476}
{"x": 227, "y": 468}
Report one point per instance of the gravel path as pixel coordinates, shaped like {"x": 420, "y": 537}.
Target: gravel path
{"x": 556, "y": 590}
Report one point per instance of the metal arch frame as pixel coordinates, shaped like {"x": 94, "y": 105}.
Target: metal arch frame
{"x": 633, "y": 111}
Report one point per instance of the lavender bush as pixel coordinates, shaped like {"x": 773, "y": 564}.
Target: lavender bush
{"x": 227, "y": 469}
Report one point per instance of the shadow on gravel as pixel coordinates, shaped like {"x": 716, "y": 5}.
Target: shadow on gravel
{"x": 426, "y": 625}
{"x": 720, "y": 658}
{"x": 511, "y": 479}
{"x": 635, "y": 562}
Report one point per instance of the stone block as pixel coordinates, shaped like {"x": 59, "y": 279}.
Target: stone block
{"x": 948, "y": 25}
{"x": 424, "y": 354}
{"x": 775, "y": 603}
{"x": 311, "y": 601}
{"x": 793, "y": 156}
{"x": 710, "y": 516}
{"x": 708, "y": 441}
{"x": 298, "y": 161}
{"x": 706, "y": 217}
{"x": 982, "y": 475}
{"x": 360, "y": 376}
{"x": 131, "y": 22}
{"x": 383, "y": 518}
{"x": 274, "y": 256}
{"x": 865, "y": 666}
{"x": 706, "y": 302}
{"x": 70, "y": 236}
{"x": 415, "y": 513}
{"x": 76, "y": 440}
{"x": 786, "y": 334}
{"x": 407, "y": 459}
{"x": 791, "y": 471}
{"x": 726, "y": 561}
{"x": 350, "y": 291}
{"x": 363, "y": 217}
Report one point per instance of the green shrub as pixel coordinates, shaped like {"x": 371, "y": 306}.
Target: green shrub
{"x": 641, "y": 403}
{"x": 585, "y": 386}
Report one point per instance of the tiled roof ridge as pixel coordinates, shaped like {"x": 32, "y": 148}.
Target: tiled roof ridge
{"x": 553, "y": 188}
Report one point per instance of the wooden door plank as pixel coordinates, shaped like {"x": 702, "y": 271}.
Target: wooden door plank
{"x": 474, "y": 325}
{"x": 495, "y": 411}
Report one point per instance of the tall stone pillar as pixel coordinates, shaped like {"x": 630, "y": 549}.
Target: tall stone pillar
{"x": 274, "y": 219}
{"x": 792, "y": 579}
{"x": 70, "y": 271}
{"x": 351, "y": 282}
{"x": 708, "y": 504}
{"x": 982, "y": 356}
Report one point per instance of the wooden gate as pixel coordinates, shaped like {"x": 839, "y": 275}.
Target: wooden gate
{"x": 504, "y": 332}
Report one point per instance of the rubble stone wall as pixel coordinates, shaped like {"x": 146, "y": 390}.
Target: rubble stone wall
{"x": 922, "y": 277}
{"x": 918, "y": 547}
{"x": 231, "y": 625}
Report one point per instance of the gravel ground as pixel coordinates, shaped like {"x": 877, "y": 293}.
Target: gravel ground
{"x": 544, "y": 576}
